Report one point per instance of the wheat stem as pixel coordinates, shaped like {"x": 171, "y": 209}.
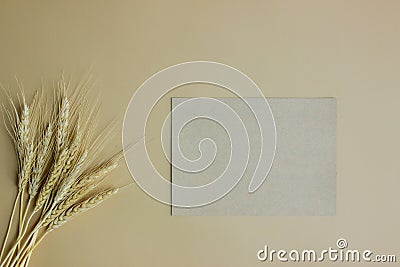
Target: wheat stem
{"x": 23, "y": 220}
{"x": 9, "y": 225}
{"x": 17, "y": 242}
{"x": 27, "y": 252}
{"x": 66, "y": 216}
{"x": 32, "y": 247}
{"x": 21, "y": 255}
{"x": 22, "y": 248}
{"x": 21, "y": 212}
{"x": 26, "y": 211}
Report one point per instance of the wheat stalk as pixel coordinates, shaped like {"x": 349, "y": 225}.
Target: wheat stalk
{"x": 25, "y": 154}
{"x": 56, "y": 147}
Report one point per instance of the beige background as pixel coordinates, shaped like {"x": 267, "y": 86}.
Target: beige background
{"x": 344, "y": 49}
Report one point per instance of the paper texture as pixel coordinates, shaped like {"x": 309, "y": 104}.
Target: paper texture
{"x": 302, "y": 180}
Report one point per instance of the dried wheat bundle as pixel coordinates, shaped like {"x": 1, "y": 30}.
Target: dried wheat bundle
{"x": 57, "y": 178}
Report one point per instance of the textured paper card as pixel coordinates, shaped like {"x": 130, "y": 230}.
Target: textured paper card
{"x": 302, "y": 180}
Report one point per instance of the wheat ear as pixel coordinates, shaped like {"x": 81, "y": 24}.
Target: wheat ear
{"x": 80, "y": 208}
{"x": 51, "y": 181}
{"x": 40, "y": 164}
{"x": 70, "y": 200}
{"x": 98, "y": 172}
{"x": 67, "y": 182}
{"x": 62, "y": 123}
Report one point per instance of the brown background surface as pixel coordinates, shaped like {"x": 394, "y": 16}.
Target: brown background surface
{"x": 344, "y": 49}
